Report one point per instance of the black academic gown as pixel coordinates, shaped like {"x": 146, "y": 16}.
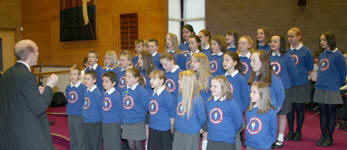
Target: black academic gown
{"x": 23, "y": 119}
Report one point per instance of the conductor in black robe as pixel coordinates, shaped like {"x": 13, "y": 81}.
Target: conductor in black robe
{"x": 23, "y": 105}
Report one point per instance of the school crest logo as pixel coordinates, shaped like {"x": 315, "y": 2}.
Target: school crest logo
{"x": 73, "y": 97}
{"x": 171, "y": 85}
{"x": 185, "y": 53}
{"x": 213, "y": 66}
{"x": 254, "y": 126}
{"x": 128, "y": 102}
{"x": 295, "y": 59}
{"x": 216, "y": 115}
{"x": 276, "y": 67}
{"x": 86, "y": 103}
{"x": 324, "y": 64}
{"x": 179, "y": 109}
{"x": 188, "y": 64}
{"x": 107, "y": 104}
{"x": 153, "y": 107}
{"x": 245, "y": 67}
{"x": 122, "y": 82}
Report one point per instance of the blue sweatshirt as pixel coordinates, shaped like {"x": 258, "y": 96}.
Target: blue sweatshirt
{"x": 261, "y": 129}
{"x": 184, "y": 46}
{"x": 120, "y": 78}
{"x": 216, "y": 64}
{"x": 266, "y": 48}
{"x": 246, "y": 66}
{"x": 172, "y": 82}
{"x": 146, "y": 79}
{"x": 135, "y": 60}
{"x": 179, "y": 59}
{"x": 156, "y": 61}
{"x": 284, "y": 67}
{"x": 108, "y": 70}
{"x": 207, "y": 51}
{"x": 197, "y": 116}
{"x": 277, "y": 92}
{"x": 233, "y": 49}
{"x": 111, "y": 107}
{"x": 332, "y": 71}
{"x": 224, "y": 120}
{"x": 75, "y": 99}
{"x": 134, "y": 104}
{"x": 240, "y": 89}
{"x": 91, "y": 105}
{"x": 303, "y": 60}
{"x": 161, "y": 108}
{"x": 99, "y": 72}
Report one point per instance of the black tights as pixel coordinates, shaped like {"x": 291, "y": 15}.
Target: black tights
{"x": 327, "y": 119}
{"x": 135, "y": 145}
{"x": 300, "y": 117}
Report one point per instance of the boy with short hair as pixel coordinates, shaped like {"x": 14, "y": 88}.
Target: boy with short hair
{"x": 75, "y": 97}
{"x": 91, "y": 112}
{"x": 152, "y": 47}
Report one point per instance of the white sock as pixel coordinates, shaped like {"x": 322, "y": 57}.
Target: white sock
{"x": 204, "y": 145}
{"x": 280, "y": 137}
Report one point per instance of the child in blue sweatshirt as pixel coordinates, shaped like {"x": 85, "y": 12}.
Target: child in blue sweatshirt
{"x": 263, "y": 39}
{"x": 146, "y": 66}
{"x": 187, "y": 31}
{"x": 205, "y": 38}
{"x": 238, "y": 83}
{"x": 93, "y": 58}
{"x": 224, "y": 116}
{"x": 190, "y": 113}
{"x": 261, "y": 72}
{"x": 261, "y": 118}
{"x": 172, "y": 71}
{"x": 331, "y": 76}
{"x": 124, "y": 63}
{"x": 152, "y": 47}
{"x": 161, "y": 106}
{"x": 201, "y": 68}
{"x": 134, "y": 107}
{"x": 171, "y": 46}
{"x": 232, "y": 38}
{"x": 218, "y": 47}
{"x": 92, "y": 112}
{"x": 139, "y": 47}
{"x": 75, "y": 96}
{"x": 301, "y": 89}
{"x": 111, "y": 109}
{"x": 283, "y": 66}
{"x": 195, "y": 47}
{"x": 110, "y": 61}
{"x": 245, "y": 51}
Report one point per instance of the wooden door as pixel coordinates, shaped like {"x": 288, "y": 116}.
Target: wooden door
{"x": 8, "y": 37}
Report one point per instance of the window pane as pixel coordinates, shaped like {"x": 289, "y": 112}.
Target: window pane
{"x": 174, "y": 27}
{"x": 174, "y": 7}
{"x": 197, "y": 25}
{"x": 194, "y": 9}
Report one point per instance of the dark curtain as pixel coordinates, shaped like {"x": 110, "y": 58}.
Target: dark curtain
{"x": 77, "y": 20}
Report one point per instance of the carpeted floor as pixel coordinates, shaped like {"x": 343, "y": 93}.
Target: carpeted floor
{"x": 311, "y": 133}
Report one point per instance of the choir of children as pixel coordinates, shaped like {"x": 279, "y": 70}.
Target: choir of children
{"x": 217, "y": 80}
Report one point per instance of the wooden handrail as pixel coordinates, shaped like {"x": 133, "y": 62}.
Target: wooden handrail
{"x": 50, "y": 72}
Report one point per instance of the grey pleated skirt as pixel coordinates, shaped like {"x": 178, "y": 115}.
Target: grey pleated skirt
{"x": 327, "y": 97}
{"x": 134, "y": 131}
{"x": 301, "y": 93}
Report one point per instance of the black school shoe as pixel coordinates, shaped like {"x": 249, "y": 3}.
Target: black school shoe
{"x": 278, "y": 144}
{"x": 290, "y": 136}
{"x": 297, "y": 136}
{"x": 321, "y": 140}
{"x": 328, "y": 141}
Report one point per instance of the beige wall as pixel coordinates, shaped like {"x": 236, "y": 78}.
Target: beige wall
{"x": 246, "y": 16}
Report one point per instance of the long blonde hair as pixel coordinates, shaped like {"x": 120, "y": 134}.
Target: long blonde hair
{"x": 174, "y": 40}
{"x": 203, "y": 73}
{"x": 189, "y": 90}
{"x": 114, "y": 58}
{"x": 264, "y": 103}
{"x": 225, "y": 86}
